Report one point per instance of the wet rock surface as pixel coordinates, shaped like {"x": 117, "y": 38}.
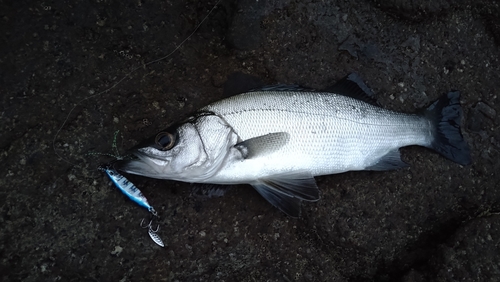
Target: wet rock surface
{"x": 62, "y": 220}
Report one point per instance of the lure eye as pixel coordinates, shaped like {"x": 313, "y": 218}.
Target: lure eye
{"x": 165, "y": 140}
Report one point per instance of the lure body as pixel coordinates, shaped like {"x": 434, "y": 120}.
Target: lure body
{"x": 128, "y": 188}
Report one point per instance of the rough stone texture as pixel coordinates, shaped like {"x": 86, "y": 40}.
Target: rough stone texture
{"x": 62, "y": 220}
{"x": 472, "y": 252}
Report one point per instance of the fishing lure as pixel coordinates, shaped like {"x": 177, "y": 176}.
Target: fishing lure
{"x": 130, "y": 190}
{"x": 152, "y": 233}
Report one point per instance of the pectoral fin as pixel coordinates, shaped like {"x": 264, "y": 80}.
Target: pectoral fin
{"x": 286, "y": 191}
{"x": 262, "y": 145}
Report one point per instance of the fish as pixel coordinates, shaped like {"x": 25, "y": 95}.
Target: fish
{"x": 278, "y": 138}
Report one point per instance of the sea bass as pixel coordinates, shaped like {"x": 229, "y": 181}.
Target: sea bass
{"x": 278, "y": 138}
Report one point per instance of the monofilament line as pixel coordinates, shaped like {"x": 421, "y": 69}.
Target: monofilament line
{"x": 122, "y": 79}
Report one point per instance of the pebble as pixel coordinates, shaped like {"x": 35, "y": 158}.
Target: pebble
{"x": 117, "y": 250}
{"x": 486, "y": 110}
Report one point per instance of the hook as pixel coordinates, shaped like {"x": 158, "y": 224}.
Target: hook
{"x": 150, "y": 225}
{"x": 145, "y": 225}
{"x": 152, "y": 232}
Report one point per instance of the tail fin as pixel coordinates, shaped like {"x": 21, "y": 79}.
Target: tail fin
{"x": 445, "y": 113}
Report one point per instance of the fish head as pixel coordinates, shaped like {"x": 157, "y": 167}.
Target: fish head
{"x": 190, "y": 151}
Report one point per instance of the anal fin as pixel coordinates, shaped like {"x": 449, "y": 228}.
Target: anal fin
{"x": 392, "y": 160}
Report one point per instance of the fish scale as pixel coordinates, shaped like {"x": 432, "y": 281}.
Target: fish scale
{"x": 330, "y": 133}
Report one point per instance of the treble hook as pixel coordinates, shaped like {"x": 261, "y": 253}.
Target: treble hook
{"x": 149, "y": 225}
{"x": 152, "y": 232}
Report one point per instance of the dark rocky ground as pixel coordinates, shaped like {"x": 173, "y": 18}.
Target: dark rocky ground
{"x": 62, "y": 220}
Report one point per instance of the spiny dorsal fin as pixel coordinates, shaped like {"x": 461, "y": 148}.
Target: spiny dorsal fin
{"x": 239, "y": 82}
{"x": 283, "y": 87}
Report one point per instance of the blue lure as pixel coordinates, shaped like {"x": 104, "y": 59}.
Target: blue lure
{"x": 130, "y": 190}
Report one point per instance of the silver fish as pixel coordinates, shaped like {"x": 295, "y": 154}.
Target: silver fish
{"x": 278, "y": 138}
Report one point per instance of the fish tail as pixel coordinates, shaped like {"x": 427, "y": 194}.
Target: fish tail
{"x": 445, "y": 114}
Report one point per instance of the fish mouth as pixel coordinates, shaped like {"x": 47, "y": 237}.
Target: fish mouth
{"x": 142, "y": 163}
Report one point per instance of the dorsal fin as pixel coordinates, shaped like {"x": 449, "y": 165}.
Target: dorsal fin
{"x": 354, "y": 87}
{"x": 238, "y": 83}
{"x": 350, "y": 86}
{"x": 283, "y": 87}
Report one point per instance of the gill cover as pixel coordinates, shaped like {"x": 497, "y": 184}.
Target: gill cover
{"x": 191, "y": 151}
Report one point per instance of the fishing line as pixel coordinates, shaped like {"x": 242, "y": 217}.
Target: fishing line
{"x": 120, "y": 81}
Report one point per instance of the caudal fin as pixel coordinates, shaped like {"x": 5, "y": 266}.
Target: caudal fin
{"x": 445, "y": 113}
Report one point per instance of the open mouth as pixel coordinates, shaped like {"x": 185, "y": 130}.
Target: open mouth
{"x": 135, "y": 166}
{"x": 142, "y": 163}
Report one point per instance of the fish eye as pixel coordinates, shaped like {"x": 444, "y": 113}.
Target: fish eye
{"x": 165, "y": 140}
